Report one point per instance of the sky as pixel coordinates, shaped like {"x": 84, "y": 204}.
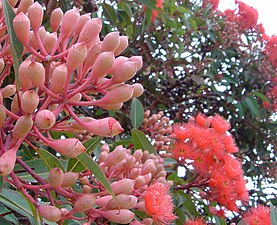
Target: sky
{"x": 266, "y": 9}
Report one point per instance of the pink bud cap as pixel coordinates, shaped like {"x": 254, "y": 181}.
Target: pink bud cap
{"x": 58, "y": 78}
{"x": 103, "y": 201}
{"x": 117, "y": 63}
{"x": 121, "y": 93}
{"x": 49, "y": 212}
{"x": 24, "y": 6}
{"x": 92, "y": 54}
{"x": 2, "y": 115}
{"x": 111, "y": 42}
{"x": 76, "y": 56}
{"x": 84, "y": 203}
{"x": 123, "y": 201}
{"x": 15, "y": 104}
{"x": 12, "y": 2}
{"x": 102, "y": 64}
{"x": 123, "y": 44}
{"x": 22, "y": 127}
{"x": 29, "y": 101}
{"x": 49, "y": 41}
{"x": 89, "y": 32}
{"x": 115, "y": 156}
{"x": 35, "y": 14}
{"x": 116, "y": 106}
{"x": 56, "y": 19}
{"x": 82, "y": 21}
{"x": 138, "y": 60}
{"x": 45, "y": 119}
{"x": 2, "y": 65}
{"x": 126, "y": 71}
{"x": 21, "y": 25}
{"x": 36, "y": 74}
{"x": 76, "y": 98}
{"x": 69, "y": 22}
{"x": 8, "y": 91}
{"x": 55, "y": 177}
{"x": 123, "y": 216}
{"x": 7, "y": 162}
{"x": 124, "y": 186}
{"x": 23, "y": 77}
{"x": 69, "y": 147}
{"x": 148, "y": 167}
{"x": 69, "y": 179}
{"x": 137, "y": 90}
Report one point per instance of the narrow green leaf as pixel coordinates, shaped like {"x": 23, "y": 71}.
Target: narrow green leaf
{"x": 123, "y": 16}
{"x": 15, "y": 44}
{"x": 90, "y": 164}
{"x": 3, "y": 221}
{"x": 109, "y": 13}
{"x": 126, "y": 8}
{"x": 36, "y": 215}
{"x": 273, "y": 214}
{"x": 1, "y": 183}
{"x": 141, "y": 141}
{"x": 137, "y": 113}
{"x": 74, "y": 165}
{"x": 260, "y": 95}
{"x": 252, "y": 105}
{"x": 50, "y": 160}
{"x": 219, "y": 221}
{"x": 15, "y": 201}
{"x": 148, "y": 3}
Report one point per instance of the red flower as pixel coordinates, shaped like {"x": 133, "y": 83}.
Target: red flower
{"x": 158, "y": 203}
{"x": 198, "y": 221}
{"x": 258, "y": 216}
{"x": 247, "y": 16}
{"x": 219, "y": 124}
{"x": 155, "y": 13}
{"x": 214, "y": 3}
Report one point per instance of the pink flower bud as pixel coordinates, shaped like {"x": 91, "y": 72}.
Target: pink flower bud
{"x": 138, "y": 60}
{"x": 49, "y": 41}
{"x": 147, "y": 221}
{"x": 130, "y": 161}
{"x": 36, "y": 74}
{"x": 2, "y": 65}
{"x": 29, "y": 101}
{"x": 106, "y": 127}
{"x": 21, "y": 25}
{"x": 111, "y": 106}
{"x": 148, "y": 167}
{"x": 12, "y": 2}
{"x": 58, "y": 78}
{"x": 102, "y": 64}
{"x": 121, "y": 93}
{"x": 76, "y": 56}
{"x": 2, "y": 115}
{"x": 140, "y": 181}
{"x": 1, "y": 98}
{"x": 69, "y": 22}
{"x": 45, "y": 119}
{"x": 23, "y": 77}
{"x": 123, "y": 216}
{"x": 35, "y": 14}
{"x": 123, "y": 44}
{"x": 92, "y": 54}
{"x": 82, "y": 21}
{"x": 7, "y": 162}
{"x": 124, "y": 186}
{"x": 8, "y": 91}
{"x": 86, "y": 189}
{"x": 56, "y": 19}
{"x": 69, "y": 179}
{"x": 123, "y": 201}
{"x": 84, "y": 203}
{"x": 138, "y": 154}
{"x": 134, "y": 173}
{"x": 137, "y": 90}
{"x": 49, "y": 212}
{"x": 111, "y": 42}
{"x": 115, "y": 156}
{"x": 117, "y": 63}
{"x": 90, "y": 32}
{"x": 69, "y": 147}
{"x": 24, "y": 6}
{"x": 15, "y": 104}
{"x": 22, "y": 127}
{"x": 126, "y": 71}
{"x": 102, "y": 157}
{"x": 55, "y": 177}
{"x": 103, "y": 201}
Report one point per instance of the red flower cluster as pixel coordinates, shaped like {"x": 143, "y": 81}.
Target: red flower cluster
{"x": 214, "y": 3}
{"x": 155, "y": 13}
{"x": 206, "y": 142}
{"x": 158, "y": 203}
{"x": 247, "y": 16}
{"x": 257, "y": 216}
{"x": 198, "y": 221}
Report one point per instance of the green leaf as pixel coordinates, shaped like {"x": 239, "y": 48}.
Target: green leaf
{"x": 3, "y": 221}
{"x": 137, "y": 113}
{"x": 90, "y": 164}
{"x": 50, "y": 160}
{"x": 74, "y": 165}
{"x": 1, "y": 183}
{"x": 273, "y": 214}
{"x": 252, "y": 105}
{"x": 15, "y": 44}
{"x": 260, "y": 95}
{"x": 15, "y": 201}
{"x": 148, "y": 4}
{"x": 219, "y": 221}
{"x": 141, "y": 141}
{"x": 123, "y": 17}
{"x": 109, "y": 13}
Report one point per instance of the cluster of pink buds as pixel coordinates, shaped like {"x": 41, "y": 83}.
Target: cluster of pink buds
{"x": 67, "y": 67}
{"x": 158, "y": 128}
